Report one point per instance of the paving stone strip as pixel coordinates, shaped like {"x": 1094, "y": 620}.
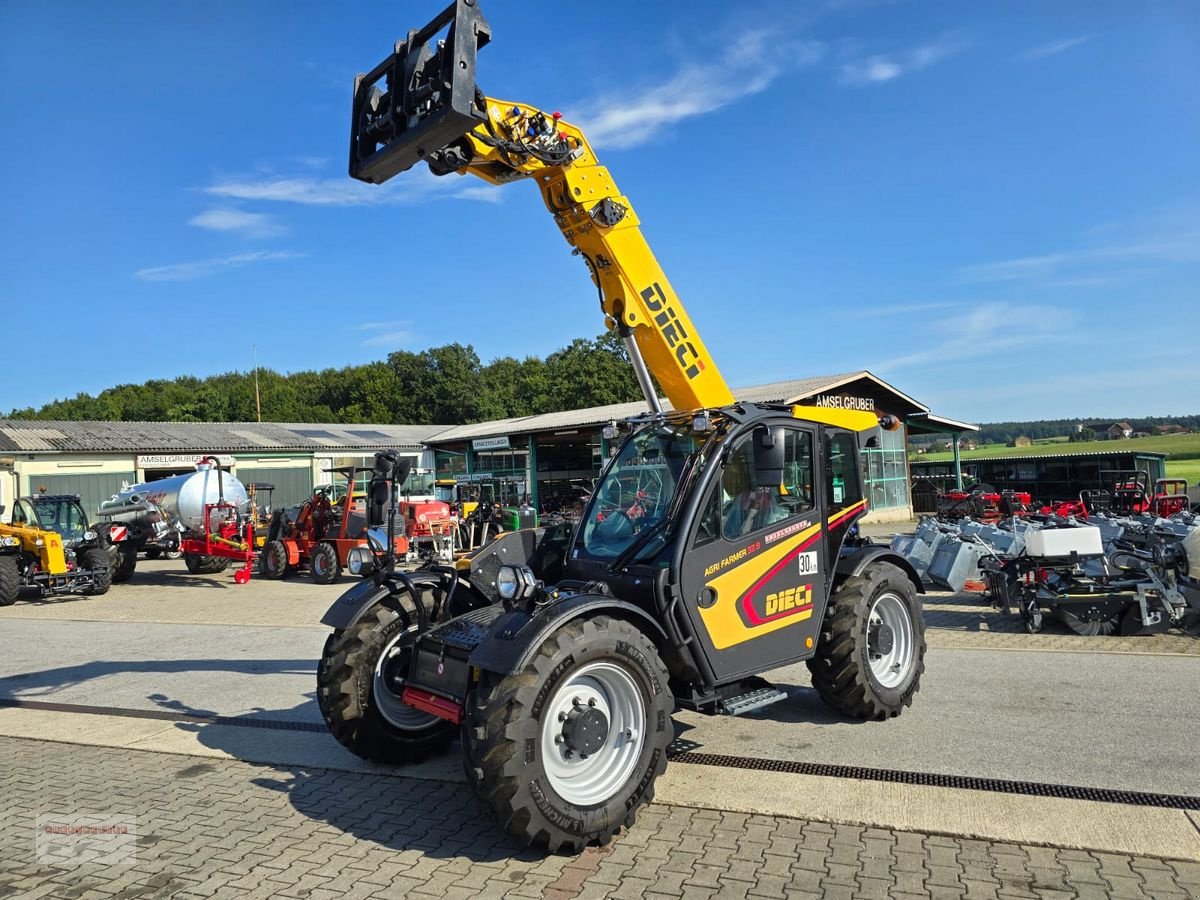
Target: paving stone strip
{"x": 226, "y": 828}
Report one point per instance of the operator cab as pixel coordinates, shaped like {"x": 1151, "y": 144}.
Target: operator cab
{"x": 60, "y": 513}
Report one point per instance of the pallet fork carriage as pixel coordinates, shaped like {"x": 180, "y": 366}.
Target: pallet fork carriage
{"x": 720, "y": 542}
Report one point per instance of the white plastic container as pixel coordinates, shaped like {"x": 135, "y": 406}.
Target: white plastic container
{"x": 1084, "y": 540}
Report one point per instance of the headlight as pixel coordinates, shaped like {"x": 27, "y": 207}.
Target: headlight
{"x": 359, "y": 561}
{"x": 508, "y": 583}
{"x": 39, "y": 543}
{"x": 516, "y": 582}
{"x": 89, "y": 535}
{"x": 9, "y": 542}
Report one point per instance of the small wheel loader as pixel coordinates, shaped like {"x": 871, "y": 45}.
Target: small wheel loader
{"x": 719, "y": 543}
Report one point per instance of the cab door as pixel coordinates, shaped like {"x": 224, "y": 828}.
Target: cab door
{"x": 755, "y": 566}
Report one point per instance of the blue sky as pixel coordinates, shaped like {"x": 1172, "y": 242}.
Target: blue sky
{"x": 994, "y": 206}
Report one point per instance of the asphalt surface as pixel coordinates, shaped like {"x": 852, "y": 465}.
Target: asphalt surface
{"x": 1094, "y": 719}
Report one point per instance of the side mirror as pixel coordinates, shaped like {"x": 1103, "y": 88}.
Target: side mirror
{"x": 402, "y": 470}
{"x": 768, "y": 456}
{"x": 377, "y": 501}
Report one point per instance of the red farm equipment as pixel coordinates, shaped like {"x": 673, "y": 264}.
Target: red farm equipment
{"x": 322, "y": 534}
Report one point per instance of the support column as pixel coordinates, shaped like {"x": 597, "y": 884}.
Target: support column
{"x": 957, "y": 465}
{"x": 532, "y": 477}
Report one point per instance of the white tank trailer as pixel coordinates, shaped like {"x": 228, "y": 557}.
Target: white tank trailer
{"x": 169, "y": 513}
{"x": 178, "y": 502}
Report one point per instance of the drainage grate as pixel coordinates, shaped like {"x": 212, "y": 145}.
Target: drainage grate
{"x": 163, "y": 715}
{"x": 931, "y": 779}
{"x": 683, "y": 751}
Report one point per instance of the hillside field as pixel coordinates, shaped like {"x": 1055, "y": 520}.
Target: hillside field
{"x": 1178, "y": 447}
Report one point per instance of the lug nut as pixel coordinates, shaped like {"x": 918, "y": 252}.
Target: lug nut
{"x": 575, "y": 701}
{"x": 562, "y": 717}
{"x": 592, "y": 702}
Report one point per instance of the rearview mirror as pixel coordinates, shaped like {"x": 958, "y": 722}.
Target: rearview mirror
{"x": 768, "y": 456}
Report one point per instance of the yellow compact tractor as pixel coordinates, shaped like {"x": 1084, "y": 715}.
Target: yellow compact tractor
{"x": 51, "y": 546}
{"x": 719, "y": 544}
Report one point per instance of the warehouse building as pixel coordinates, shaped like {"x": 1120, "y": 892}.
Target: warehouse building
{"x": 96, "y": 459}
{"x": 552, "y": 458}
{"x": 549, "y": 460}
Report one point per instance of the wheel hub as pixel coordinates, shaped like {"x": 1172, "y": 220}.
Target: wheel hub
{"x": 880, "y": 639}
{"x": 585, "y": 730}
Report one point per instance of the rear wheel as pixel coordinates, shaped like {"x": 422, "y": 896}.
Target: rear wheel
{"x": 97, "y": 559}
{"x": 323, "y": 564}
{"x": 274, "y": 560}
{"x": 10, "y": 579}
{"x": 199, "y": 564}
{"x": 122, "y": 560}
{"x": 565, "y": 752}
{"x": 360, "y": 681}
{"x": 871, "y": 651}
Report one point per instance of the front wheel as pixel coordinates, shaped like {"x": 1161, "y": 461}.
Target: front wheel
{"x": 323, "y": 564}
{"x": 10, "y": 579}
{"x": 360, "y": 682}
{"x": 871, "y": 651}
{"x": 565, "y": 752}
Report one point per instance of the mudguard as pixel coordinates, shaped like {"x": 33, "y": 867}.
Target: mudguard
{"x": 515, "y": 635}
{"x": 351, "y": 606}
{"x": 854, "y": 562}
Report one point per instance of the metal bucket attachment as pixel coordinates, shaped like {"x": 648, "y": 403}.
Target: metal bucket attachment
{"x": 416, "y": 103}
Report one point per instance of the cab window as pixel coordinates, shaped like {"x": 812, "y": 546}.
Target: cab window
{"x": 844, "y": 481}
{"x": 738, "y": 506}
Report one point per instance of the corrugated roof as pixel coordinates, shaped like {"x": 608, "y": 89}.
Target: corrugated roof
{"x": 18, "y": 436}
{"x": 776, "y": 392}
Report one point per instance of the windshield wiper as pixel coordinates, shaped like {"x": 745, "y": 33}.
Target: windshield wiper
{"x": 638, "y": 543}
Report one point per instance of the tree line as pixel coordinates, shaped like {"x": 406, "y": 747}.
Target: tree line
{"x": 444, "y": 385}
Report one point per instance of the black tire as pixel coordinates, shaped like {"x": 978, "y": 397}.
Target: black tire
{"x": 122, "y": 561}
{"x": 274, "y": 560}
{"x": 504, "y": 730}
{"x": 841, "y": 669}
{"x": 97, "y": 559}
{"x": 346, "y": 687}
{"x": 323, "y": 564}
{"x": 10, "y": 579}
{"x": 153, "y": 552}
{"x": 198, "y": 564}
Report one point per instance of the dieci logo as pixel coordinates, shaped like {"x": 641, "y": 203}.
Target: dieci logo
{"x": 791, "y": 600}
{"x": 672, "y": 330}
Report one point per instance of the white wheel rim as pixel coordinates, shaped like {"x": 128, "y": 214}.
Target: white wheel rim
{"x": 595, "y": 779}
{"x": 395, "y": 711}
{"x": 892, "y": 668}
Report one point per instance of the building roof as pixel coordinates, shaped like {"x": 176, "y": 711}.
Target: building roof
{"x": 775, "y": 392}
{"x": 20, "y": 436}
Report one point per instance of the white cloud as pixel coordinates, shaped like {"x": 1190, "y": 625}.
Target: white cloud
{"x": 1053, "y": 48}
{"x": 750, "y": 64}
{"x": 983, "y": 329}
{"x": 882, "y": 68}
{"x": 188, "y": 270}
{"x": 238, "y": 221}
{"x": 1088, "y": 267}
{"x": 387, "y": 334}
{"x": 414, "y": 187}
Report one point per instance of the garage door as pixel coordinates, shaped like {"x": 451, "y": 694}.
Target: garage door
{"x": 92, "y": 487}
{"x": 292, "y": 486}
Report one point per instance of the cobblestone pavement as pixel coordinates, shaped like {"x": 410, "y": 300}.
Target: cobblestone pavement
{"x": 215, "y": 828}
